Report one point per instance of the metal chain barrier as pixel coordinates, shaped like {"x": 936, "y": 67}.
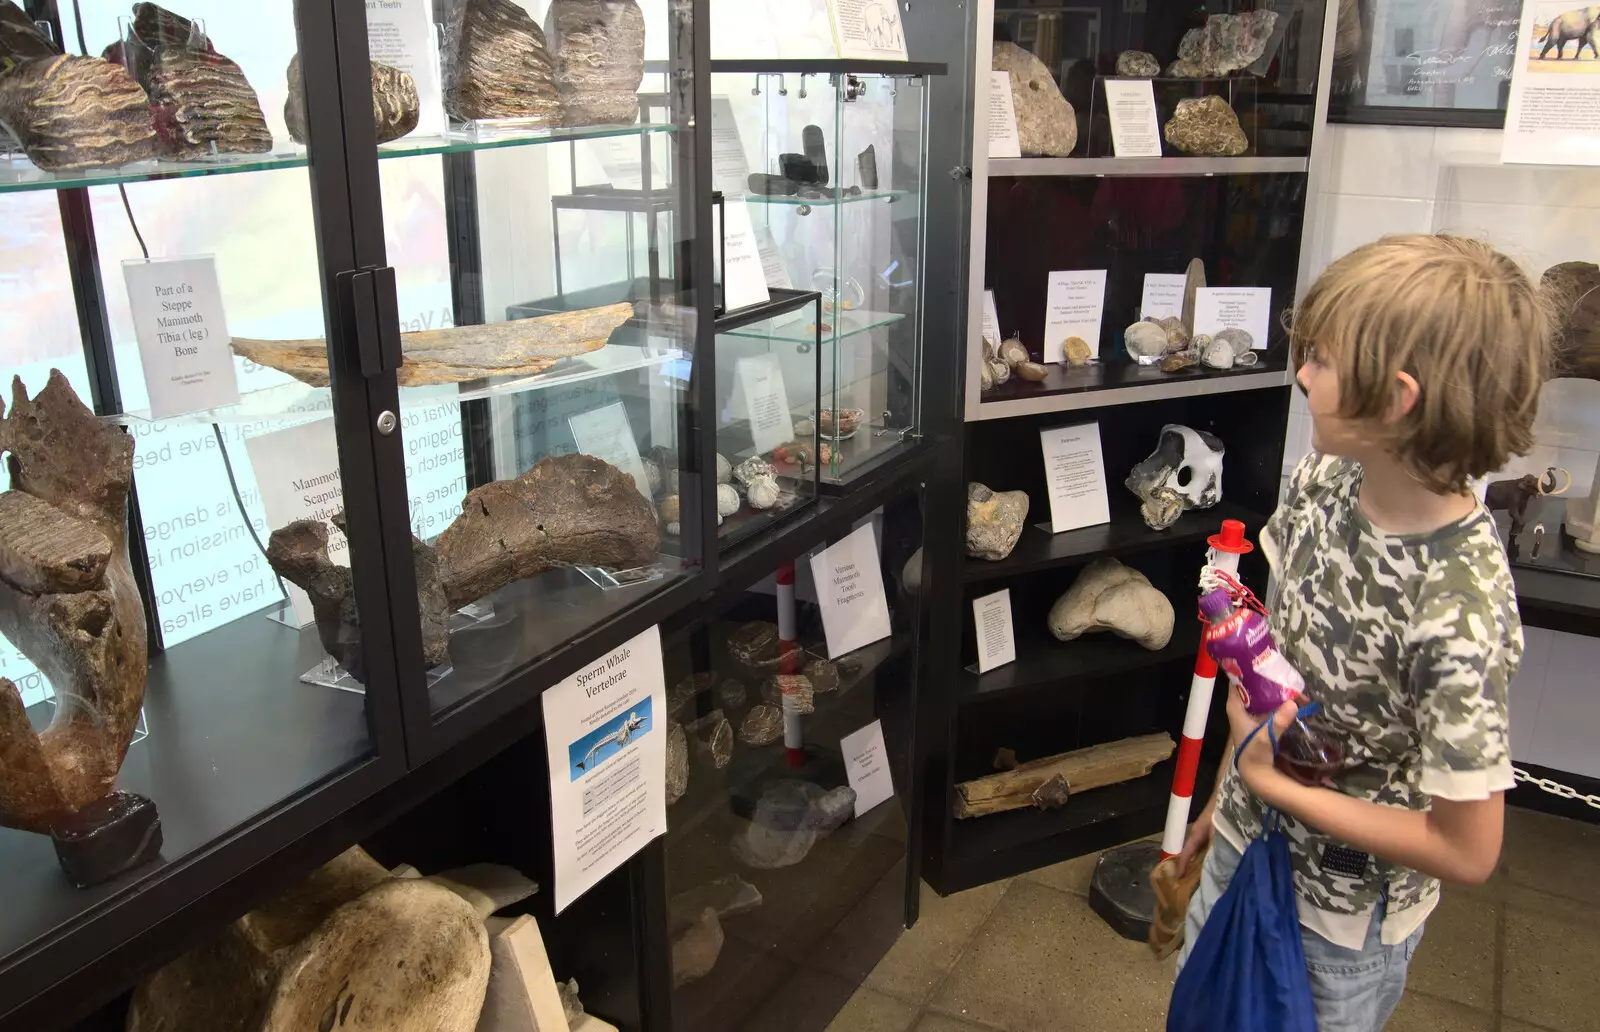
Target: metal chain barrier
{"x": 1555, "y": 788}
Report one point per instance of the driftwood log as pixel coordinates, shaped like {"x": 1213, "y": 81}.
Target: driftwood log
{"x": 522, "y": 347}
{"x": 68, "y": 601}
{"x": 1046, "y": 783}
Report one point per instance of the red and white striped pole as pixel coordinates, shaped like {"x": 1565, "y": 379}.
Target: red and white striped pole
{"x": 1226, "y": 548}
{"x": 794, "y": 742}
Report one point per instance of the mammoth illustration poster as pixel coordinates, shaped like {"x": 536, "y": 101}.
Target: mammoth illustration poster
{"x": 1554, "y": 114}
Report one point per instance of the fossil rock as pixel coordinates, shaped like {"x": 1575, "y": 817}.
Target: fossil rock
{"x": 751, "y": 468}
{"x": 763, "y": 725}
{"x": 1194, "y": 277}
{"x": 1108, "y": 596}
{"x": 724, "y": 469}
{"x": 1227, "y": 43}
{"x": 1046, "y": 124}
{"x": 1184, "y": 472}
{"x": 1138, "y": 64}
{"x": 789, "y": 818}
{"x": 1033, "y": 372}
{"x": 1177, "y": 333}
{"x": 76, "y": 112}
{"x": 761, "y": 492}
{"x": 68, "y": 603}
{"x": 20, "y": 38}
{"x": 396, "y": 108}
{"x": 201, "y": 104}
{"x": 1178, "y": 361}
{"x": 497, "y": 65}
{"x": 727, "y": 896}
{"x": 731, "y": 694}
{"x": 598, "y": 52}
{"x": 790, "y": 690}
{"x": 1205, "y": 125}
{"x": 1077, "y": 351}
{"x": 728, "y": 502}
{"x": 677, "y": 763}
{"x": 1013, "y": 352}
{"x": 522, "y": 347}
{"x": 695, "y": 949}
{"x": 671, "y": 513}
{"x": 994, "y": 521}
{"x": 680, "y": 695}
{"x": 1240, "y": 341}
{"x": 824, "y": 675}
{"x": 713, "y": 739}
{"x": 568, "y": 510}
{"x": 1218, "y": 354}
{"x": 1145, "y": 341}
{"x": 755, "y": 645}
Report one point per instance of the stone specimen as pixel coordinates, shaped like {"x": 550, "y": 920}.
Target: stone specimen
{"x": 568, "y": 510}
{"x": 823, "y": 674}
{"x": 1146, "y": 342}
{"x": 1205, "y": 125}
{"x": 1108, "y": 596}
{"x": 1138, "y": 64}
{"x": 1217, "y": 354}
{"x": 751, "y": 468}
{"x": 1194, "y": 278}
{"x": 1574, "y": 288}
{"x": 1047, "y": 127}
{"x": 728, "y": 502}
{"x": 521, "y": 347}
{"x": 1013, "y": 353}
{"x": 867, "y": 168}
{"x": 1184, "y": 472}
{"x": 497, "y": 65}
{"x": 789, "y": 817}
{"x": 1177, "y": 333}
{"x": 695, "y": 948}
{"x": 790, "y": 691}
{"x": 75, "y": 112}
{"x": 992, "y": 370}
{"x": 1239, "y": 340}
{"x": 994, "y": 521}
{"x": 680, "y": 695}
{"x": 755, "y": 645}
{"x": 1044, "y": 783}
{"x": 839, "y": 424}
{"x": 1177, "y": 362}
{"x": 597, "y": 48}
{"x": 1033, "y": 372}
{"x": 677, "y": 763}
{"x": 724, "y": 469}
{"x": 762, "y": 492}
{"x": 20, "y": 38}
{"x": 671, "y": 513}
{"x": 713, "y": 739}
{"x": 731, "y": 694}
{"x": 727, "y": 896}
{"x": 523, "y": 995}
{"x": 1227, "y": 43}
{"x": 1076, "y": 351}
{"x": 69, "y": 603}
{"x": 763, "y": 725}
{"x": 350, "y": 947}
{"x": 396, "y": 109}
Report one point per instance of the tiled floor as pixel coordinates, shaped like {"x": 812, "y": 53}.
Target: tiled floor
{"x": 1028, "y": 955}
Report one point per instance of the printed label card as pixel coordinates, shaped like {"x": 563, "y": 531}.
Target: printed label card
{"x": 1135, "y": 130}
{"x": 182, "y": 332}
{"x": 850, "y": 596}
{"x": 1162, "y": 296}
{"x": 1075, "y": 474}
{"x": 1073, "y": 308}
{"x": 1244, "y": 308}
{"x": 997, "y": 643}
{"x": 1003, "y": 141}
{"x": 766, "y": 401}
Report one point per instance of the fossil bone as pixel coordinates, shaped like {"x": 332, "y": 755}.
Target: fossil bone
{"x": 1108, "y": 596}
{"x": 1187, "y": 463}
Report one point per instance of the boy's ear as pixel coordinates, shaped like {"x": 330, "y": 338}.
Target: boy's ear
{"x": 1405, "y": 397}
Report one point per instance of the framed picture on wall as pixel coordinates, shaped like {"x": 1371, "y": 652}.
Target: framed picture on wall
{"x": 1424, "y": 62}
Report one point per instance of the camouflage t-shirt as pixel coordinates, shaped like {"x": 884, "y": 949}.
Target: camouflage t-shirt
{"x": 1410, "y": 642}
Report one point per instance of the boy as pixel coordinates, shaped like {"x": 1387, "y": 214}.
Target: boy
{"x": 1421, "y": 359}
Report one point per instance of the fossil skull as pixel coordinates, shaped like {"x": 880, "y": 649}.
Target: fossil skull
{"x": 1186, "y": 467}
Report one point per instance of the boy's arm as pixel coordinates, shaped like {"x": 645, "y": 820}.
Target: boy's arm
{"x": 1455, "y": 841}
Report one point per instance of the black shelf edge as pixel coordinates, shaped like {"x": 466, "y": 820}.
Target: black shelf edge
{"x": 828, "y": 66}
{"x": 1558, "y": 601}
{"x": 782, "y": 301}
{"x": 1126, "y": 534}
{"x": 1044, "y": 662}
{"x": 1070, "y": 384}
{"x": 1002, "y": 845}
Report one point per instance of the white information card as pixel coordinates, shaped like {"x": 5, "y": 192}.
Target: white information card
{"x": 1075, "y": 474}
{"x": 1163, "y": 295}
{"x": 182, "y": 333}
{"x": 400, "y": 34}
{"x": 997, "y": 643}
{"x": 606, "y": 738}
{"x": 866, "y": 765}
{"x": 1072, "y": 309}
{"x": 991, "y": 319}
{"x": 868, "y": 29}
{"x": 1246, "y": 308}
{"x": 297, "y": 471}
{"x": 765, "y": 401}
{"x": 604, "y": 433}
{"x": 849, "y": 586}
{"x": 744, "y": 273}
{"x": 1135, "y": 131}
{"x": 1003, "y": 142}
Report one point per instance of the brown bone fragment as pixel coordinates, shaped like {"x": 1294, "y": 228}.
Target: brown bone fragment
{"x": 1032, "y": 783}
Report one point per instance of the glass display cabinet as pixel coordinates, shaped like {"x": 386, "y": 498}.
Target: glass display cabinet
{"x": 830, "y": 158}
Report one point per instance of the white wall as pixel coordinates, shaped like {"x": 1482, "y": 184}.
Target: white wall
{"x": 1393, "y": 179}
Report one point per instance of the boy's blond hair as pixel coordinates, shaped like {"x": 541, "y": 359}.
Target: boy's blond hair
{"x": 1457, "y": 315}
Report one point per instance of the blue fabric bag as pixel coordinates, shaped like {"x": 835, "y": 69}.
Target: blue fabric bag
{"x": 1247, "y": 970}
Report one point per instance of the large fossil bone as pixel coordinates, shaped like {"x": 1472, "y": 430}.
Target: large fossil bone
{"x": 522, "y": 347}
{"x": 69, "y": 602}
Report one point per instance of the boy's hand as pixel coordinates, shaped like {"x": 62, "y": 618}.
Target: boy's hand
{"x": 1255, "y": 762}
{"x": 1199, "y": 837}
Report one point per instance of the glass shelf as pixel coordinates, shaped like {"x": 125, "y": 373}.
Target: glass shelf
{"x": 1164, "y": 166}
{"x": 887, "y": 196}
{"x": 799, "y": 328}
{"x": 299, "y": 402}
{"x": 17, "y": 174}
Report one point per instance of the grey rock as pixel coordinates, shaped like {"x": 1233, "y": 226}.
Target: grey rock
{"x": 1146, "y": 341}
{"x": 1206, "y": 125}
{"x": 727, "y": 896}
{"x": 696, "y": 949}
{"x": 994, "y": 521}
{"x": 763, "y": 725}
{"x": 1239, "y": 339}
{"x": 598, "y": 52}
{"x": 713, "y": 739}
{"x": 1138, "y": 64}
{"x": 75, "y": 112}
{"x": 677, "y": 763}
{"x": 1218, "y": 354}
{"x": 731, "y": 694}
{"x": 1227, "y": 43}
{"x": 790, "y": 816}
{"x": 1046, "y": 124}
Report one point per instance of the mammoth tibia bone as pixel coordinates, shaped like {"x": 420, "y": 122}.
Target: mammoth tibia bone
{"x": 69, "y": 603}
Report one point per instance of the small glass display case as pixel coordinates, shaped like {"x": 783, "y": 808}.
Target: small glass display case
{"x": 831, "y": 166}
{"x": 770, "y": 449}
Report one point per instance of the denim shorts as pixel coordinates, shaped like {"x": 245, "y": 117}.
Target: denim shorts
{"x": 1354, "y": 990}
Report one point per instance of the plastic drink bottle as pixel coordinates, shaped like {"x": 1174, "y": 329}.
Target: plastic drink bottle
{"x": 1240, "y": 640}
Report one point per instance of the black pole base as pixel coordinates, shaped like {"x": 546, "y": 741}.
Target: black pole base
{"x": 1120, "y": 890}
{"x": 107, "y": 837}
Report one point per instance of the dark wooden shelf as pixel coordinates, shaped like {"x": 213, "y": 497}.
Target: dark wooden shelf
{"x": 1076, "y": 387}
{"x": 1126, "y": 534}
{"x": 1044, "y": 662}
{"x": 1560, "y": 588}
